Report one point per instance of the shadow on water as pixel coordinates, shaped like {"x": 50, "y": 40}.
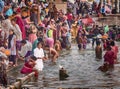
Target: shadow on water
{"x": 81, "y": 67}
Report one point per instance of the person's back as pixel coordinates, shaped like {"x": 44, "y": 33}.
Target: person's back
{"x": 109, "y": 57}
{"x": 114, "y": 49}
{"x": 98, "y": 52}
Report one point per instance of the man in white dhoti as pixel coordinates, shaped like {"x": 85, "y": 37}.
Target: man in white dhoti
{"x": 39, "y": 54}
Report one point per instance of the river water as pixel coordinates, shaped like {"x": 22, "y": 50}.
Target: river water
{"x": 81, "y": 67}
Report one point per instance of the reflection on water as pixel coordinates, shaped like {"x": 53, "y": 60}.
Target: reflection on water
{"x": 82, "y": 69}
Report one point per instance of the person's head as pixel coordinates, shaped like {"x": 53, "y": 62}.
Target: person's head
{"x": 13, "y": 21}
{"x": 23, "y": 42}
{"x": 98, "y": 43}
{"x": 52, "y": 21}
{"x": 64, "y": 24}
{"x": 112, "y": 43}
{"x": 39, "y": 45}
{"x": 33, "y": 29}
{"x": 40, "y": 39}
{"x": 11, "y": 31}
{"x": 33, "y": 58}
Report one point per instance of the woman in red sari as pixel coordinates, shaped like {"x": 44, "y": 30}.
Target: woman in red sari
{"x": 29, "y": 66}
{"x": 109, "y": 57}
{"x": 21, "y": 24}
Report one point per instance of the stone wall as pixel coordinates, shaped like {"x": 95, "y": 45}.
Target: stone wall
{"x": 62, "y": 6}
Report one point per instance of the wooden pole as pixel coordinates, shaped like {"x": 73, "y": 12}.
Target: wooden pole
{"x": 19, "y": 82}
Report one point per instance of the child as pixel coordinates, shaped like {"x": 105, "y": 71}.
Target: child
{"x": 98, "y": 50}
{"x": 52, "y": 52}
{"x": 12, "y": 47}
{"x": 29, "y": 66}
{"x": 39, "y": 54}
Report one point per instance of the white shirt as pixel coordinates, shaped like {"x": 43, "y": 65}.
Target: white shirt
{"x": 38, "y": 52}
{"x": 24, "y": 49}
{"x": 39, "y": 62}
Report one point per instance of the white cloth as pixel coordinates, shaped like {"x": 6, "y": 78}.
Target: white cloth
{"x": 3, "y": 55}
{"x": 13, "y": 46}
{"x": 24, "y": 49}
{"x": 15, "y": 1}
{"x": 22, "y": 4}
{"x": 39, "y": 62}
{"x": 17, "y": 32}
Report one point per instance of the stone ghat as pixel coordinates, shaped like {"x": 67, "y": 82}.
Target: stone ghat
{"x": 108, "y": 20}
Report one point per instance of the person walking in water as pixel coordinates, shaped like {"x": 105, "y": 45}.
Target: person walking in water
{"x": 109, "y": 57}
{"x": 115, "y": 50}
{"x": 98, "y": 50}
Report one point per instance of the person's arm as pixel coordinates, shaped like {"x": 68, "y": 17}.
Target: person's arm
{"x": 23, "y": 51}
{"x": 35, "y": 53}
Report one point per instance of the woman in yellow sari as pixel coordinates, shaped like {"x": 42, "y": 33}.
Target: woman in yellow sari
{"x": 74, "y": 30}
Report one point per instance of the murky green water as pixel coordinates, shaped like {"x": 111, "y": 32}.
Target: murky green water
{"x": 82, "y": 69}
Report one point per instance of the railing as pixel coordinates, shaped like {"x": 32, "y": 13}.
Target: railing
{"x": 113, "y": 19}
{"x": 21, "y": 81}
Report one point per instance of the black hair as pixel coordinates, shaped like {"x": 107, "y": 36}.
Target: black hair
{"x": 39, "y": 43}
{"x": 57, "y": 21}
{"x": 46, "y": 16}
{"x": 40, "y": 39}
{"x": 33, "y": 57}
{"x": 40, "y": 28}
{"x": 64, "y": 24}
{"x": 23, "y": 41}
{"x": 112, "y": 43}
{"x": 98, "y": 43}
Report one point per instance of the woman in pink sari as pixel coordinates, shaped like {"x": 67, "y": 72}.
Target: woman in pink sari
{"x": 32, "y": 36}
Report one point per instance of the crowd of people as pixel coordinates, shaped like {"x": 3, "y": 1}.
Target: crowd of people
{"x": 36, "y": 31}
